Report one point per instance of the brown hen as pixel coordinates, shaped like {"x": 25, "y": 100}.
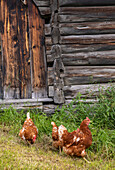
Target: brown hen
{"x": 61, "y": 137}
{"x": 29, "y": 131}
{"x": 82, "y": 140}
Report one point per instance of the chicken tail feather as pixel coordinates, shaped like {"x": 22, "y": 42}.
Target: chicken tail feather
{"x": 53, "y": 124}
{"x": 28, "y": 115}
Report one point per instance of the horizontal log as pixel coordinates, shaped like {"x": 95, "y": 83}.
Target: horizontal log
{"x": 49, "y": 109}
{"x": 43, "y": 3}
{"x": 90, "y": 58}
{"x": 87, "y": 14}
{"x": 77, "y": 48}
{"x": 104, "y": 10}
{"x": 44, "y": 10}
{"x": 89, "y": 39}
{"x": 48, "y": 41}
{"x": 48, "y": 50}
{"x": 87, "y": 91}
{"x": 85, "y": 2}
{"x": 47, "y": 29}
{"x": 50, "y": 58}
{"x": 75, "y": 75}
{"x": 87, "y": 28}
{"x": 89, "y": 101}
{"x": 24, "y": 101}
{"x": 80, "y": 18}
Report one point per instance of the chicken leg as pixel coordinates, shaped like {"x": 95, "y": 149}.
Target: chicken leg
{"x": 86, "y": 160}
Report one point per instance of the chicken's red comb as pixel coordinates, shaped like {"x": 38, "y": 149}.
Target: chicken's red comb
{"x": 87, "y": 118}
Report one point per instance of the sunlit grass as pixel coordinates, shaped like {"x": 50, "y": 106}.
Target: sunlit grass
{"x": 14, "y": 153}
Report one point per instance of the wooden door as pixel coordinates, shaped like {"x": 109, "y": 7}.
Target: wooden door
{"x": 23, "y": 57}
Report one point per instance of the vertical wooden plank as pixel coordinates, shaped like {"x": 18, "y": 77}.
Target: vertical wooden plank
{"x": 1, "y": 88}
{"x": 38, "y": 63}
{"x": 10, "y": 49}
{"x": 24, "y": 57}
{"x": 1, "y": 75}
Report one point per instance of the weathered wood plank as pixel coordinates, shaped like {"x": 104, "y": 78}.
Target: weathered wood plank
{"x": 26, "y": 103}
{"x": 77, "y": 48}
{"x": 1, "y": 71}
{"x": 44, "y": 10}
{"x": 58, "y": 69}
{"x": 87, "y": 14}
{"x": 10, "y": 51}
{"x": 108, "y": 10}
{"x": 85, "y": 2}
{"x": 87, "y": 28}
{"x": 89, "y": 39}
{"x": 42, "y": 3}
{"x": 49, "y": 108}
{"x": 80, "y": 18}
{"x": 24, "y": 57}
{"x": 85, "y": 75}
{"x": 48, "y": 41}
{"x": 75, "y": 75}
{"x": 21, "y": 101}
{"x": 90, "y": 58}
{"x": 87, "y": 91}
{"x": 47, "y": 29}
{"x": 37, "y": 47}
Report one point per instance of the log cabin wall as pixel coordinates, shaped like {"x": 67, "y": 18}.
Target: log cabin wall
{"x": 86, "y": 35}
{"x": 79, "y": 48}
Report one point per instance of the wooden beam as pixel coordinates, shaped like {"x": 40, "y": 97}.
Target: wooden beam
{"x": 90, "y": 11}
{"x": 87, "y": 90}
{"x": 44, "y": 10}
{"x": 42, "y": 3}
{"x": 58, "y": 69}
{"x": 88, "y": 39}
{"x": 87, "y": 28}
{"x": 74, "y": 3}
{"x": 24, "y": 57}
{"x": 37, "y": 49}
{"x": 90, "y": 58}
{"x": 10, "y": 49}
{"x": 82, "y": 48}
{"x": 76, "y": 75}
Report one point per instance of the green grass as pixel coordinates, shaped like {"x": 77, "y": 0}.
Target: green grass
{"x": 14, "y": 153}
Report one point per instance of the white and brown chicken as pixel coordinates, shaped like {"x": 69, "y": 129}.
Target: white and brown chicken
{"x": 29, "y": 131}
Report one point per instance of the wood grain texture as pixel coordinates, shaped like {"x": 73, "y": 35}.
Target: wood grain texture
{"x": 42, "y": 3}
{"x": 85, "y": 3}
{"x": 82, "y": 48}
{"x": 76, "y": 75}
{"x": 44, "y": 10}
{"x": 86, "y": 14}
{"x": 87, "y": 91}
{"x": 24, "y": 55}
{"x": 24, "y": 62}
{"x": 37, "y": 43}
{"x": 87, "y": 28}
{"x": 10, "y": 49}
{"x": 108, "y": 10}
{"x": 1, "y": 72}
{"x": 89, "y": 58}
{"x": 89, "y": 39}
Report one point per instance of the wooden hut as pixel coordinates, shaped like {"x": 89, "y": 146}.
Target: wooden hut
{"x": 52, "y": 49}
